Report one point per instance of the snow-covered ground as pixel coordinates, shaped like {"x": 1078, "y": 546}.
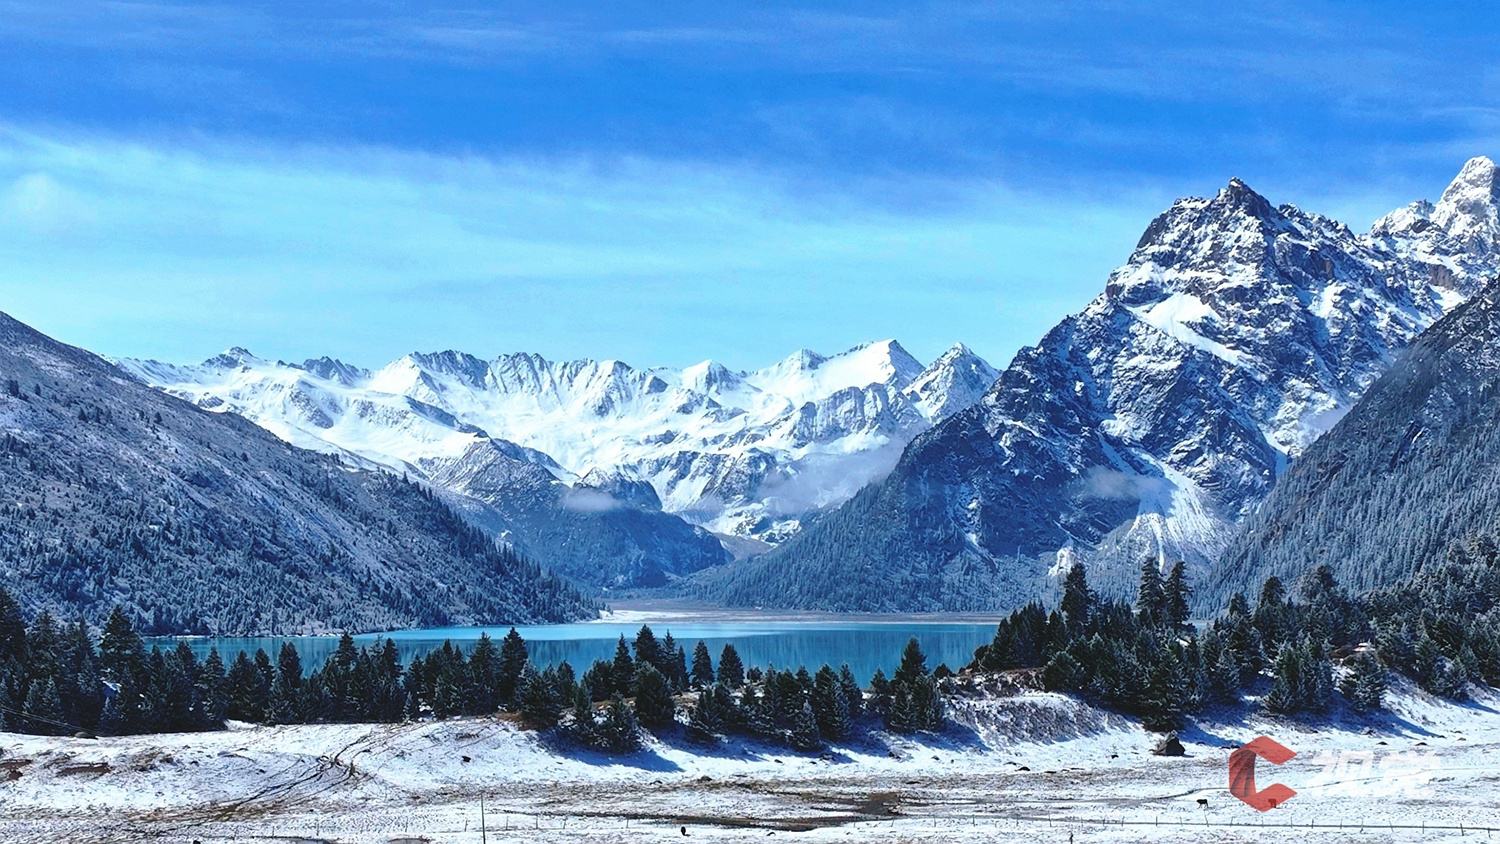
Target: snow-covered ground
{"x": 1038, "y": 766}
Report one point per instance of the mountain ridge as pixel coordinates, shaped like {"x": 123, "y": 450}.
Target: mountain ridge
{"x": 116, "y": 493}
{"x": 1148, "y": 424}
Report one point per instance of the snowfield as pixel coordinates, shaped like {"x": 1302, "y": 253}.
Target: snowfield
{"x": 1037, "y": 766}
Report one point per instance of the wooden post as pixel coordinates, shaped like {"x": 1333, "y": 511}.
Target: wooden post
{"x": 484, "y": 836}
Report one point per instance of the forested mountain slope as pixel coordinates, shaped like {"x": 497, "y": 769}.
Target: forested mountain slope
{"x": 112, "y": 492}
{"x": 1414, "y": 467}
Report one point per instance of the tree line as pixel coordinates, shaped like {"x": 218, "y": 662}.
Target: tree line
{"x": 1299, "y": 652}
{"x": 58, "y": 680}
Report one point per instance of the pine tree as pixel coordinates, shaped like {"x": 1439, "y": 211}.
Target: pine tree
{"x": 537, "y": 700}
{"x": 122, "y": 655}
{"x": 1364, "y": 685}
{"x": 731, "y": 669}
{"x": 830, "y": 706}
{"x": 1150, "y": 602}
{"x": 513, "y": 658}
{"x": 703, "y": 667}
{"x": 583, "y": 728}
{"x": 598, "y": 682}
{"x": 619, "y": 732}
{"x": 705, "y": 718}
{"x": 1287, "y": 683}
{"x": 1062, "y": 673}
{"x": 1175, "y": 595}
{"x": 1319, "y": 677}
{"x": 901, "y": 717}
{"x": 484, "y": 676}
{"x": 673, "y": 663}
{"x": 854, "y": 696}
{"x": 1077, "y": 600}
{"x": 246, "y": 694}
{"x": 881, "y": 693}
{"x": 654, "y": 706}
{"x": 1270, "y": 614}
{"x": 623, "y": 668}
{"x": 43, "y": 713}
{"x": 648, "y": 650}
{"x": 285, "y": 704}
{"x": 804, "y": 731}
{"x": 913, "y": 663}
{"x": 12, "y": 629}
{"x": 212, "y": 691}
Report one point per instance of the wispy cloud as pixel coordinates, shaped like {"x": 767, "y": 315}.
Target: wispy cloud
{"x": 369, "y": 252}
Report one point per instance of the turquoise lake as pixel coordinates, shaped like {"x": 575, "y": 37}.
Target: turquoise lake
{"x": 864, "y": 645}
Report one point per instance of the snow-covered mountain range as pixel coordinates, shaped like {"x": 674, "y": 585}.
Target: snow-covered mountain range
{"x": 746, "y": 455}
{"x": 1158, "y": 417}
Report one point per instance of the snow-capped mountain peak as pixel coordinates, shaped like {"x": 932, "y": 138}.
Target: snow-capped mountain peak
{"x": 1148, "y": 424}
{"x": 1469, "y": 210}
{"x": 747, "y": 453}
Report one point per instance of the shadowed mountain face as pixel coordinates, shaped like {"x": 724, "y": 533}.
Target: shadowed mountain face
{"x": 1152, "y": 422}
{"x": 112, "y": 492}
{"x": 1413, "y": 468}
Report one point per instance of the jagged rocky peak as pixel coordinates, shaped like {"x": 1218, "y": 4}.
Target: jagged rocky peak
{"x": 470, "y": 369}
{"x": 955, "y": 380}
{"x": 335, "y": 370}
{"x": 233, "y": 358}
{"x": 1469, "y": 210}
{"x": 711, "y": 377}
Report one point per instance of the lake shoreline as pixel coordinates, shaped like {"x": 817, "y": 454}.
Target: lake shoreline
{"x": 667, "y": 610}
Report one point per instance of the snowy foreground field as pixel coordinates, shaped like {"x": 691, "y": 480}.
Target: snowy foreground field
{"x": 1034, "y": 766}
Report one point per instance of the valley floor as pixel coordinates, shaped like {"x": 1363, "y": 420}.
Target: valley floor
{"x": 1035, "y": 766}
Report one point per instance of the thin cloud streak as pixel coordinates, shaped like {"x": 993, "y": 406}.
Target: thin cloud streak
{"x": 518, "y": 254}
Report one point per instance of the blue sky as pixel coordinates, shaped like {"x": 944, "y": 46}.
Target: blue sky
{"x": 662, "y": 185}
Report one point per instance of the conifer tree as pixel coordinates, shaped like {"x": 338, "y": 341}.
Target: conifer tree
{"x": 648, "y": 650}
{"x": 830, "y": 706}
{"x": 513, "y": 658}
{"x": 1269, "y": 617}
{"x": 1150, "y": 601}
{"x": 12, "y": 629}
{"x": 881, "y": 693}
{"x": 122, "y": 655}
{"x": 913, "y": 663}
{"x": 703, "y": 666}
{"x": 1077, "y": 600}
{"x": 623, "y": 668}
{"x": 705, "y": 717}
{"x": 731, "y": 669}
{"x": 583, "y": 728}
{"x": 43, "y": 713}
{"x": 854, "y": 696}
{"x": 1364, "y": 685}
{"x": 212, "y": 691}
{"x": 1287, "y": 682}
{"x": 537, "y": 700}
{"x": 484, "y": 676}
{"x": 654, "y": 706}
{"x": 1175, "y": 593}
{"x": 598, "y": 682}
{"x": 619, "y": 732}
{"x": 804, "y": 731}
